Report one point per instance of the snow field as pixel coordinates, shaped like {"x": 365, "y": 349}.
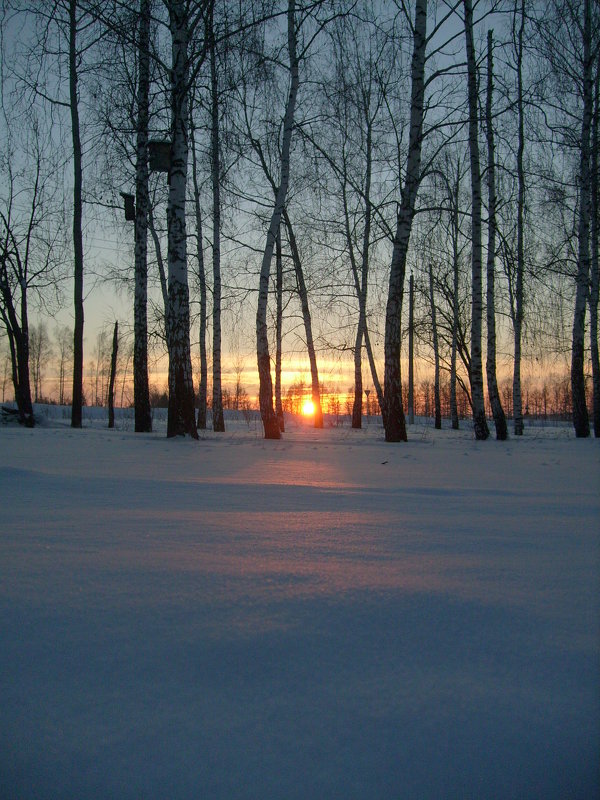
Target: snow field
{"x": 326, "y": 616}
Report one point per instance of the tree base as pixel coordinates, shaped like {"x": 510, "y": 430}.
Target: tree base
{"x": 271, "y": 428}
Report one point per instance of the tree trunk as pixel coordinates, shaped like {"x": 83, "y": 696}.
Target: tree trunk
{"x": 595, "y": 281}
{"x": 217, "y": 398}
{"x": 23, "y": 390}
{"x": 278, "y": 330}
{"x": 203, "y": 389}
{"x": 518, "y": 293}
{"x": 455, "y": 318}
{"x": 411, "y": 350}
{"x": 141, "y": 390}
{"x": 77, "y": 400}
{"x": 310, "y": 345}
{"x": 159, "y": 262}
{"x": 373, "y": 368}
{"x": 113, "y": 372}
{"x": 361, "y": 284}
{"x": 581, "y": 421}
{"x": 476, "y": 371}
{"x": 358, "y": 286}
{"x": 393, "y": 412}
{"x": 181, "y": 413}
{"x": 358, "y": 390}
{"x": 18, "y": 339}
{"x": 268, "y": 416}
{"x": 436, "y": 353}
{"x": 493, "y": 393}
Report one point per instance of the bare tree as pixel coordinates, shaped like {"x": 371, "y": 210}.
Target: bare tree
{"x": 30, "y": 239}
{"x": 517, "y": 293}
{"x": 202, "y": 288}
{"x": 393, "y": 412}
{"x": 568, "y": 37}
{"x": 476, "y": 372}
{"x": 278, "y": 329}
{"x": 40, "y": 352}
{"x": 74, "y": 55}
{"x": 185, "y": 20}
{"x": 436, "y": 351}
{"x": 113, "y": 372}
{"x": 63, "y": 340}
{"x": 595, "y": 278}
{"x": 268, "y": 415}
{"x": 141, "y": 391}
{"x": 217, "y": 399}
{"x": 492, "y": 381}
{"x": 580, "y": 412}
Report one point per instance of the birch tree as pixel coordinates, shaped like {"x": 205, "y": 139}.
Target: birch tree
{"x": 201, "y": 275}
{"x": 568, "y": 38}
{"x": 30, "y": 245}
{"x": 594, "y": 236}
{"x": 268, "y": 415}
{"x": 580, "y": 413}
{"x": 436, "y": 351}
{"x": 141, "y": 391}
{"x": 517, "y": 293}
{"x": 113, "y": 373}
{"x": 74, "y": 55}
{"x": 492, "y": 381}
{"x": 476, "y": 372}
{"x": 278, "y": 329}
{"x": 217, "y": 399}
{"x": 185, "y": 20}
{"x": 345, "y": 142}
{"x": 393, "y": 412}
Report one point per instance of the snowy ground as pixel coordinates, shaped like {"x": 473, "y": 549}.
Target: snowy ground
{"x": 326, "y": 616}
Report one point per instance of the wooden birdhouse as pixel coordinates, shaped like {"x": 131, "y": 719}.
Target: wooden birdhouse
{"x": 129, "y": 206}
{"x": 159, "y": 155}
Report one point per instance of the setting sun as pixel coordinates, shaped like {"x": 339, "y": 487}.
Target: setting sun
{"x": 308, "y": 408}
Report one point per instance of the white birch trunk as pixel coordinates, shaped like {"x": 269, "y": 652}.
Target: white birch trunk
{"x": 581, "y": 421}
{"x": 411, "y": 350}
{"x": 520, "y": 266}
{"x": 269, "y": 418}
{"x": 162, "y": 275}
{"x": 141, "y": 391}
{"x": 436, "y": 353}
{"x": 361, "y": 283}
{"x": 393, "y": 412}
{"x": 595, "y": 280}
{"x": 77, "y": 399}
{"x": 181, "y": 414}
{"x": 455, "y": 319}
{"x": 278, "y": 330}
{"x": 476, "y": 371}
{"x": 492, "y": 381}
{"x": 113, "y": 373}
{"x": 203, "y": 388}
{"x": 217, "y": 398}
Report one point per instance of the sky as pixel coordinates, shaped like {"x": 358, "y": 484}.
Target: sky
{"x": 109, "y": 248}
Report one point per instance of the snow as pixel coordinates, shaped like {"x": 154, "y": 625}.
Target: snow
{"x": 324, "y": 616}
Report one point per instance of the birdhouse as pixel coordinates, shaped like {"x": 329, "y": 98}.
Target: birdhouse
{"x": 159, "y": 155}
{"x": 129, "y": 206}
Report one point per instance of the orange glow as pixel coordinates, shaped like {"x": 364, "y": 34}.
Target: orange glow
{"x": 308, "y": 408}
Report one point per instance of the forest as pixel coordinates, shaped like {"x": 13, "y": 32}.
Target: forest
{"x": 300, "y": 195}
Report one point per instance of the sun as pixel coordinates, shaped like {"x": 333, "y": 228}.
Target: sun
{"x": 308, "y": 408}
